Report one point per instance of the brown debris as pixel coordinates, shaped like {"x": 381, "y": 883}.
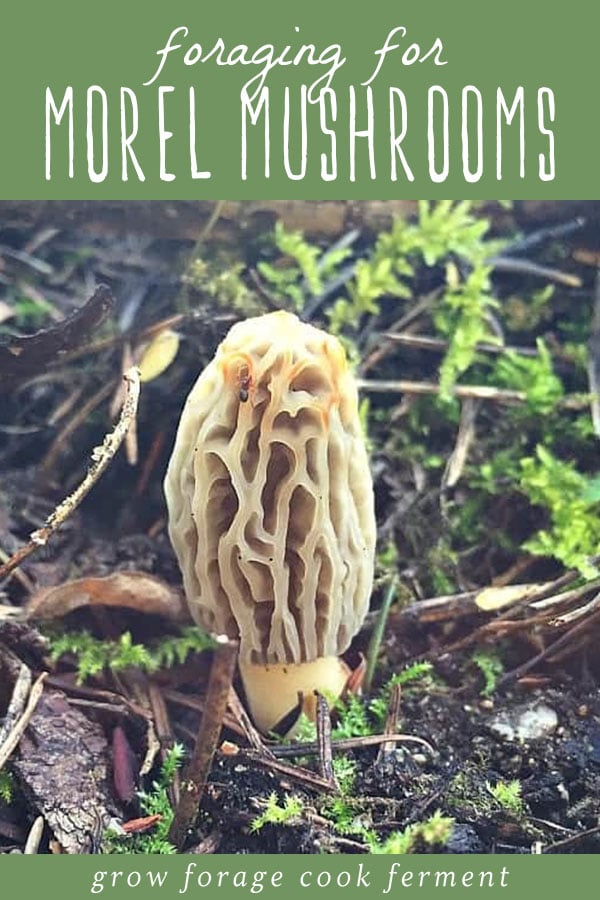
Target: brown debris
{"x": 196, "y": 772}
{"x": 23, "y": 357}
{"x": 63, "y": 762}
{"x": 133, "y": 590}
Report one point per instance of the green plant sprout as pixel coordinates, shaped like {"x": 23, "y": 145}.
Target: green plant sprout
{"x": 276, "y": 813}
{"x": 7, "y": 786}
{"x": 306, "y": 271}
{"x": 433, "y": 833}
{"x": 93, "y": 655}
{"x": 418, "y": 675}
{"x": 491, "y": 667}
{"x": 574, "y": 533}
{"x": 508, "y": 795}
{"x": 152, "y": 802}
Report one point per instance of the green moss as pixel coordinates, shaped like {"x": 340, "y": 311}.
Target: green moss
{"x": 491, "y": 667}
{"x": 92, "y": 655}
{"x": 508, "y": 795}
{"x": 152, "y": 802}
{"x": 7, "y": 786}
{"x": 276, "y": 813}
{"x": 573, "y": 535}
{"x": 430, "y": 836}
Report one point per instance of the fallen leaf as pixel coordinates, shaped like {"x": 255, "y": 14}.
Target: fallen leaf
{"x": 132, "y": 590}
{"x": 494, "y": 598}
{"x": 135, "y": 826}
{"x": 158, "y": 355}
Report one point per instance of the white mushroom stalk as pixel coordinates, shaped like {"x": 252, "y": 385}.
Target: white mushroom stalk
{"x": 271, "y": 509}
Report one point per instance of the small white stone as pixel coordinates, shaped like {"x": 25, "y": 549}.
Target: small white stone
{"x": 525, "y": 723}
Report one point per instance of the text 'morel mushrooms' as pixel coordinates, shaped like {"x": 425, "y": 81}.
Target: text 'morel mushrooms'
{"x": 271, "y": 510}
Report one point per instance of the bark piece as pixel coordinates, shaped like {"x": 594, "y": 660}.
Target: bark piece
{"x": 63, "y": 766}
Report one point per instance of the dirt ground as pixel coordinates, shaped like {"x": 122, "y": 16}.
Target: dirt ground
{"x": 470, "y": 731}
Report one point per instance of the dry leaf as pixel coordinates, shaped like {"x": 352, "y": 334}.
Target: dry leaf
{"x": 6, "y": 311}
{"x": 158, "y": 355}
{"x": 133, "y": 590}
{"x": 494, "y": 598}
{"x": 135, "y": 826}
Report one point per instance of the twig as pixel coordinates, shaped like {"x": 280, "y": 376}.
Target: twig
{"x": 464, "y": 438}
{"x": 575, "y": 838}
{"x": 101, "y": 456}
{"x": 549, "y": 651}
{"x": 150, "y": 461}
{"x": 212, "y": 220}
{"x": 117, "y": 703}
{"x": 391, "y": 721}
{"x": 24, "y": 580}
{"x": 196, "y": 772}
{"x": 73, "y": 424}
{"x": 483, "y": 392}
{"x": 24, "y": 356}
{"x": 355, "y": 743}
{"x": 198, "y": 705}
{"x": 323, "y": 720}
{"x": 381, "y": 351}
{"x": 251, "y": 734}
{"x": 164, "y": 732}
{"x": 16, "y": 733}
{"x": 297, "y": 773}
{"x": 18, "y": 701}
{"x": 553, "y": 232}
{"x": 526, "y": 267}
{"x": 425, "y": 342}
{"x": 32, "y": 844}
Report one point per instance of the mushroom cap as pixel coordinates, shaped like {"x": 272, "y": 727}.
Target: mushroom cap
{"x": 270, "y": 498}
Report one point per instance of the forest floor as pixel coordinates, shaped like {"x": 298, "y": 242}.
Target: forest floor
{"x": 478, "y": 726}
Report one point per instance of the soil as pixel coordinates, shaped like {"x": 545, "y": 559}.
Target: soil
{"x": 538, "y": 724}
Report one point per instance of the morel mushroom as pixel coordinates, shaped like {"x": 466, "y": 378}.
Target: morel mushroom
{"x": 271, "y": 509}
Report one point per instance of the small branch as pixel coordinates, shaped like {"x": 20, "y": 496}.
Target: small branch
{"x": 526, "y": 267}
{"x": 196, "y": 771}
{"x": 425, "y": 342}
{"x": 62, "y": 438}
{"x": 391, "y": 721}
{"x": 32, "y": 844}
{"x": 573, "y": 839}
{"x": 16, "y": 733}
{"x": 355, "y": 743}
{"x": 23, "y": 357}
{"x": 101, "y": 456}
{"x": 482, "y": 392}
{"x": 324, "y": 741}
{"x": 18, "y": 701}
{"x": 251, "y": 733}
{"x": 464, "y": 439}
{"x": 548, "y": 652}
{"x": 296, "y": 773}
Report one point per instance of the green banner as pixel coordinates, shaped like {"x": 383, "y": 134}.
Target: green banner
{"x": 318, "y": 100}
{"x": 427, "y": 877}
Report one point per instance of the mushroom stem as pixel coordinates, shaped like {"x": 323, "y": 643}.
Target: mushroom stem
{"x": 272, "y": 691}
